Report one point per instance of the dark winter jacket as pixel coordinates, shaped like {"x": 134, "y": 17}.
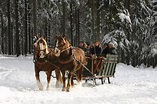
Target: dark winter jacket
{"x": 95, "y": 50}
{"x": 105, "y": 52}
{"x": 112, "y": 51}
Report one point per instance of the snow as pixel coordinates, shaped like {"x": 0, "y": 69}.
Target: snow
{"x": 130, "y": 86}
{"x": 124, "y": 17}
{"x": 154, "y": 51}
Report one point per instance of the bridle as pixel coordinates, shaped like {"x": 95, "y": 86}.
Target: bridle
{"x": 41, "y": 53}
{"x": 58, "y": 51}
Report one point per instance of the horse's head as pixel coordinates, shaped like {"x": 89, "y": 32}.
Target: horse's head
{"x": 61, "y": 44}
{"x": 41, "y": 47}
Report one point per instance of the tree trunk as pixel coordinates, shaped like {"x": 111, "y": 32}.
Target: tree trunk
{"x": 122, "y": 56}
{"x": 77, "y": 26}
{"x": 9, "y": 28}
{"x": 35, "y": 16}
{"x": 45, "y": 28}
{"x": 29, "y": 29}
{"x": 12, "y": 38}
{"x": 17, "y": 28}
{"x": 2, "y": 33}
{"x": 133, "y": 61}
{"x": 63, "y": 26}
{"x": 97, "y": 21}
{"x": 71, "y": 23}
{"x": 155, "y": 61}
{"x": 26, "y": 13}
{"x": 49, "y": 33}
{"x": 93, "y": 19}
{"x": 127, "y": 5}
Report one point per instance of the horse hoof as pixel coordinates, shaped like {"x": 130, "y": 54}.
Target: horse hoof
{"x": 57, "y": 85}
{"x": 48, "y": 89}
{"x": 63, "y": 89}
{"x": 67, "y": 90}
{"x": 41, "y": 89}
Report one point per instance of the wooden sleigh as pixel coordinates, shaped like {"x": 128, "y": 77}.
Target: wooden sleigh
{"x": 100, "y": 68}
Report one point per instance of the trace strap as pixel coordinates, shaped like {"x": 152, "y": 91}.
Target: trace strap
{"x": 82, "y": 64}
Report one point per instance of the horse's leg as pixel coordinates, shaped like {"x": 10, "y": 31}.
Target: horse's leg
{"x": 64, "y": 79}
{"x": 79, "y": 74}
{"x": 48, "y": 79}
{"x": 58, "y": 77}
{"x": 69, "y": 81}
{"x": 81, "y": 71}
{"x": 38, "y": 80}
{"x": 72, "y": 81}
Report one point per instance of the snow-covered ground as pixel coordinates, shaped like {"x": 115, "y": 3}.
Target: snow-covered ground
{"x": 130, "y": 86}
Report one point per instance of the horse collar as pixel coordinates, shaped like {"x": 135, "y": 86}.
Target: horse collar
{"x": 72, "y": 56}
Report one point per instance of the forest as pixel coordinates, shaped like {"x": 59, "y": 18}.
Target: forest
{"x": 129, "y": 24}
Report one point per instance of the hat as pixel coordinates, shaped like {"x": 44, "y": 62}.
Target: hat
{"x": 110, "y": 43}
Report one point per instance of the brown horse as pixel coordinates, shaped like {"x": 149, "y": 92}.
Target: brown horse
{"x": 71, "y": 59}
{"x": 41, "y": 64}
